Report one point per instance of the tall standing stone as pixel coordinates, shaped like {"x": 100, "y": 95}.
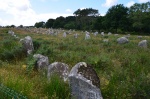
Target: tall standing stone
{"x": 27, "y": 44}
{"x": 84, "y": 82}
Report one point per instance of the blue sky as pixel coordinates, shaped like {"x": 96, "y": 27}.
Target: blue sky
{"x": 28, "y": 12}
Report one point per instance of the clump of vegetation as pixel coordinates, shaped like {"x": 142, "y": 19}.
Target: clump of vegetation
{"x": 123, "y": 69}
{"x": 56, "y": 88}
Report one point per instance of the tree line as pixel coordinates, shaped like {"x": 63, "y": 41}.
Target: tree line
{"x": 119, "y": 19}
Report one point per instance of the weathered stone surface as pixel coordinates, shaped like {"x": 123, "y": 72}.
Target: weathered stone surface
{"x": 27, "y": 44}
{"x": 84, "y": 82}
{"x": 143, "y": 44}
{"x": 42, "y": 61}
{"x": 60, "y": 69}
{"x": 122, "y": 40}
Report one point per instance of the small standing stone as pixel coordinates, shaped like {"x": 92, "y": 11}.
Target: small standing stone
{"x": 139, "y": 37}
{"x": 60, "y": 69}
{"x": 122, "y": 40}
{"x": 87, "y": 36}
{"x": 64, "y": 35}
{"x": 143, "y": 44}
{"x": 42, "y": 61}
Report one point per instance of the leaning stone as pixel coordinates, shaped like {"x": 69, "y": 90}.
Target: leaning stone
{"x": 122, "y": 40}
{"x": 84, "y": 82}
{"x": 59, "y": 69}
{"x": 143, "y": 44}
{"x": 27, "y": 44}
{"x": 42, "y": 61}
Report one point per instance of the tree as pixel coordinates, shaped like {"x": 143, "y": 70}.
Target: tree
{"x": 39, "y": 24}
{"x": 59, "y": 22}
{"x": 49, "y": 23}
{"x": 116, "y": 17}
{"x": 140, "y": 16}
{"x": 85, "y": 18}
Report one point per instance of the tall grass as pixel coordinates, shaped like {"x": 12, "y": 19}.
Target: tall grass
{"x": 123, "y": 69}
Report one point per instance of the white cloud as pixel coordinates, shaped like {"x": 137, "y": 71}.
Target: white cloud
{"x": 82, "y": 8}
{"x": 143, "y": 1}
{"x": 20, "y": 12}
{"x": 68, "y": 10}
{"x": 129, "y": 4}
{"x": 110, "y": 3}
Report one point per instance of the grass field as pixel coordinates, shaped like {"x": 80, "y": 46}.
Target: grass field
{"x": 123, "y": 69}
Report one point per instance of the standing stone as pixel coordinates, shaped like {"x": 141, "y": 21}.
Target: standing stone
{"x": 102, "y": 33}
{"x": 59, "y": 69}
{"x": 11, "y": 33}
{"x": 122, "y": 40}
{"x": 115, "y": 34}
{"x": 42, "y": 61}
{"x": 87, "y": 36}
{"x": 76, "y": 35}
{"x": 95, "y": 34}
{"x": 64, "y": 34}
{"x": 143, "y": 44}
{"x": 84, "y": 82}
{"x": 27, "y": 44}
{"x": 109, "y": 33}
{"x": 139, "y": 37}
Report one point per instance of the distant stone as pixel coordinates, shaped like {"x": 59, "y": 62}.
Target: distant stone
{"x": 87, "y": 36}
{"x": 116, "y": 34}
{"x": 84, "y": 82}
{"x": 139, "y": 37}
{"x": 64, "y": 34}
{"x": 76, "y": 35}
{"x": 109, "y": 33}
{"x": 59, "y": 69}
{"x": 42, "y": 61}
{"x": 122, "y": 40}
{"x": 95, "y": 34}
{"x": 102, "y": 33}
{"x": 127, "y": 36}
{"x": 143, "y": 44}
{"x": 27, "y": 44}
{"x": 11, "y": 33}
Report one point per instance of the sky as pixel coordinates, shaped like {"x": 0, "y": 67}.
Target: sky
{"x": 28, "y": 12}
